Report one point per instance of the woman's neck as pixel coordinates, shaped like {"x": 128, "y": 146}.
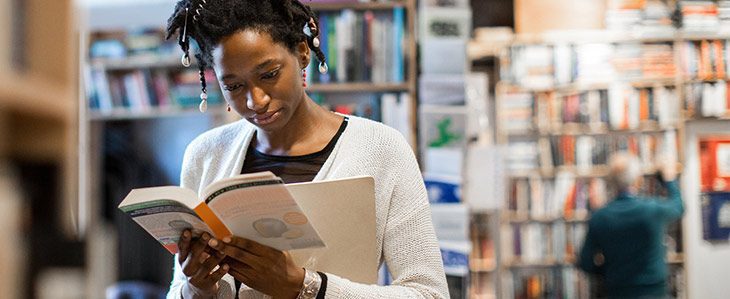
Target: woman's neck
{"x": 309, "y": 130}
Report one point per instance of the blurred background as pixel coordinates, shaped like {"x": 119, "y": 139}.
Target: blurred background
{"x": 512, "y": 107}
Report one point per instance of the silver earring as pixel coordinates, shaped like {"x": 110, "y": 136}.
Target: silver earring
{"x": 323, "y": 67}
{"x": 185, "y": 60}
{"x": 203, "y": 101}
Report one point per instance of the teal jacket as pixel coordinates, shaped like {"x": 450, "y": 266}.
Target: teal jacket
{"x": 629, "y": 232}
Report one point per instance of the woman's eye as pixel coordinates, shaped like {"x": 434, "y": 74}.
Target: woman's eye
{"x": 270, "y": 75}
{"x": 231, "y": 87}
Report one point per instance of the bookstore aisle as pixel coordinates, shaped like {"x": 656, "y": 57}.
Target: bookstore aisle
{"x": 512, "y": 112}
{"x": 651, "y": 79}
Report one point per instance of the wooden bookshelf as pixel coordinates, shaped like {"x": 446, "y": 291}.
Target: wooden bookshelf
{"x": 119, "y": 114}
{"x": 359, "y": 87}
{"x": 560, "y": 92}
{"x": 482, "y": 265}
{"x": 138, "y": 62}
{"x": 34, "y": 95}
{"x": 516, "y": 218}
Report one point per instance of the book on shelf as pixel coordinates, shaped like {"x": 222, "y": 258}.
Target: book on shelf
{"x": 261, "y": 208}
{"x": 585, "y": 152}
{"x": 517, "y": 111}
{"x": 534, "y": 245}
{"x": 482, "y": 237}
{"x": 145, "y": 89}
{"x": 699, "y": 16}
{"x": 397, "y": 110}
{"x": 362, "y": 46}
{"x": 705, "y": 59}
{"x": 547, "y": 66}
{"x": 367, "y": 105}
{"x": 714, "y": 157}
{"x": 620, "y": 107}
{"x": 652, "y": 17}
{"x": 564, "y": 197}
{"x": 708, "y": 99}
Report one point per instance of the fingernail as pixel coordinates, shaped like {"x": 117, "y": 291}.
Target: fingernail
{"x": 225, "y": 267}
{"x": 186, "y": 234}
{"x": 226, "y": 240}
{"x": 205, "y": 236}
{"x": 213, "y": 243}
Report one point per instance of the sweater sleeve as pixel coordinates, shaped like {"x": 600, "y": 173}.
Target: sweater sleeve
{"x": 410, "y": 248}
{"x": 585, "y": 260}
{"x": 225, "y": 285}
{"x": 672, "y": 208}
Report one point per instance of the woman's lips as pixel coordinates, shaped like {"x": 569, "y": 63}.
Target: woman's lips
{"x": 266, "y": 118}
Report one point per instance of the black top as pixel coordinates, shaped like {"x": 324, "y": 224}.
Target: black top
{"x": 291, "y": 169}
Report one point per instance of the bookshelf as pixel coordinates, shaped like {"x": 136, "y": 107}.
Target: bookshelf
{"x": 525, "y": 123}
{"x": 154, "y": 95}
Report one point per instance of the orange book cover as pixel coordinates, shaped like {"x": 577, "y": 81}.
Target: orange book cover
{"x": 569, "y": 150}
{"x": 704, "y": 68}
{"x": 714, "y": 156}
{"x": 569, "y": 207}
{"x": 644, "y": 104}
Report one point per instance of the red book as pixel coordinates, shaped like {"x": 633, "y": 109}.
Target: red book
{"x": 715, "y": 164}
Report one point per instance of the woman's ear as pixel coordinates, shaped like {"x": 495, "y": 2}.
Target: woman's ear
{"x": 303, "y": 54}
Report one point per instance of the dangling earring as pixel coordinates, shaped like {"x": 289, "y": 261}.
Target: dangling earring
{"x": 304, "y": 78}
{"x": 185, "y": 60}
{"x": 204, "y": 94}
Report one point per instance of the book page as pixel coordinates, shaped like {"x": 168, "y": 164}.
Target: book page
{"x": 165, "y": 220}
{"x": 164, "y": 212}
{"x": 264, "y": 211}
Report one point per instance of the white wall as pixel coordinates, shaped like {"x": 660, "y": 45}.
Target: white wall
{"x": 707, "y": 265}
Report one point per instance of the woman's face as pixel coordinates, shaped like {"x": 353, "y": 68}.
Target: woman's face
{"x": 260, "y": 79}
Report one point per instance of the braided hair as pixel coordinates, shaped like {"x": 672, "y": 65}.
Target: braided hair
{"x": 289, "y": 22}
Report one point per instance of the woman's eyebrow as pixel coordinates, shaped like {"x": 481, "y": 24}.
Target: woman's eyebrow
{"x": 264, "y": 64}
{"x": 258, "y": 68}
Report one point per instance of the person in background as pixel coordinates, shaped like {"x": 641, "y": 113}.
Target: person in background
{"x": 624, "y": 241}
{"x": 259, "y": 50}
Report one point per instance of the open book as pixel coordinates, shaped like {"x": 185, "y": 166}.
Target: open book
{"x": 341, "y": 210}
{"x": 256, "y": 206}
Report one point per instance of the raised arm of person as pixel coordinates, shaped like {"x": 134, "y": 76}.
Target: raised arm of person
{"x": 672, "y": 208}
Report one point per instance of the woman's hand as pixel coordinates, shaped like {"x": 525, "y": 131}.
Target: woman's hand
{"x": 198, "y": 262}
{"x": 260, "y": 267}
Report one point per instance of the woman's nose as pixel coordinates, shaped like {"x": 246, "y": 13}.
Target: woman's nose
{"x": 257, "y": 99}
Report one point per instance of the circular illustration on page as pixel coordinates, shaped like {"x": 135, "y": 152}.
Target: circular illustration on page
{"x": 295, "y": 218}
{"x": 180, "y": 224}
{"x": 293, "y": 233}
{"x": 270, "y": 227}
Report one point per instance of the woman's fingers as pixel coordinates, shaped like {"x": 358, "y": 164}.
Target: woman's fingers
{"x": 183, "y": 246}
{"x": 218, "y": 274}
{"x": 192, "y": 263}
{"x": 248, "y": 245}
{"x": 234, "y": 252}
{"x": 209, "y": 262}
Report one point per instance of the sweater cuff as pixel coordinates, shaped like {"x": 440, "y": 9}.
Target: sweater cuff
{"x": 323, "y": 286}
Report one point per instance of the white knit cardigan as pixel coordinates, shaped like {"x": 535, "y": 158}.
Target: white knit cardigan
{"x": 405, "y": 240}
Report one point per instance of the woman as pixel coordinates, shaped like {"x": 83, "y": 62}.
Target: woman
{"x": 259, "y": 51}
